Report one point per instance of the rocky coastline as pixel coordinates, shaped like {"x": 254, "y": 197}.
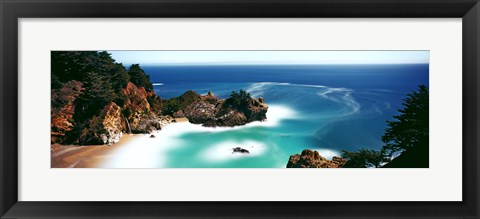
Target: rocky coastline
{"x": 95, "y": 101}
{"x": 143, "y": 112}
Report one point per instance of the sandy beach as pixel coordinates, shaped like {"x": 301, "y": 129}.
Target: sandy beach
{"x": 87, "y": 156}
{"x": 91, "y": 156}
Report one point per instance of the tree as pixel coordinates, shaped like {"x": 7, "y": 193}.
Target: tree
{"x": 405, "y": 138}
{"x": 70, "y": 65}
{"x": 139, "y": 78}
{"x": 410, "y": 128}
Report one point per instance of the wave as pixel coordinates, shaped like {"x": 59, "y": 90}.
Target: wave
{"x": 338, "y": 95}
{"x": 157, "y": 84}
{"x": 275, "y": 114}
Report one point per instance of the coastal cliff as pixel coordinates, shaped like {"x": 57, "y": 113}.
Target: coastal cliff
{"x": 96, "y": 100}
{"x": 313, "y": 159}
{"x": 141, "y": 109}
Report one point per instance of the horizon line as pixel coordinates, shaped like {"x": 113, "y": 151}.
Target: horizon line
{"x": 265, "y": 64}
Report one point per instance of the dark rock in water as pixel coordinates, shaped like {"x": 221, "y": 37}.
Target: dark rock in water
{"x": 312, "y": 159}
{"x": 152, "y": 136}
{"x": 240, "y": 150}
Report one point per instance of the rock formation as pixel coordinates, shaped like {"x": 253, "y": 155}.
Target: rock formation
{"x": 312, "y": 159}
{"x": 139, "y": 112}
{"x": 105, "y": 128}
{"x": 112, "y": 124}
{"x": 211, "y": 111}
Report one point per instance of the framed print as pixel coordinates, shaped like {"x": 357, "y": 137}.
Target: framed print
{"x": 279, "y": 108}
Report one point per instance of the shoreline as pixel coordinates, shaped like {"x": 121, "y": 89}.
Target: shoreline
{"x": 144, "y": 151}
{"x": 93, "y": 156}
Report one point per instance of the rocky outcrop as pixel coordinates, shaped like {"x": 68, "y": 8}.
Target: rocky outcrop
{"x": 212, "y": 112}
{"x": 62, "y": 110}
{"x": 106, "y": 128}
{"x": 112, "y": 124}
{"x": 312, "y": 159}
{"x": 257, "y": 110}
{"x": 140, "y": 114}
{"x": 197, "y": 112}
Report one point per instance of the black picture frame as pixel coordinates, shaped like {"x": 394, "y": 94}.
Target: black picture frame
{"x": 12, "y": 10}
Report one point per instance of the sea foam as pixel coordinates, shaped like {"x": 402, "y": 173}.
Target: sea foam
{"x": 145, "y": 152}
{"x": 223, "y": 151}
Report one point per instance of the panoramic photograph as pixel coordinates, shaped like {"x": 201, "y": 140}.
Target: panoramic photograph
{"x": 240, "y": 109}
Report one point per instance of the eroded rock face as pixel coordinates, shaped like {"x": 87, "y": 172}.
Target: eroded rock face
{"x": 105, "y": 128}
{"x": 112, "y": 124}
{"x": 198, "y": 112}
{"x": 257, "y": 110}
{"x": 312, "y": 159}
{"x": 136, "y": 116}
{"x": 138, "y": 111}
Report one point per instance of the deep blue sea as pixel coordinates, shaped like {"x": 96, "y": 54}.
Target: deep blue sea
{"x": 328, "y": 108}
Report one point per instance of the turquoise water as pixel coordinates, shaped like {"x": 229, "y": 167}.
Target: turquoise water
{"x": 324, "y": 108}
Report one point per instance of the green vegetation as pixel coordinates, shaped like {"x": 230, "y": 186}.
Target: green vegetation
{"x": 410, "y": 128}
{"x": 174, "y": 104}
{"x": 139, "y": 78}
{"x": 239, "y": 100}
{"x": 406, "y": 137}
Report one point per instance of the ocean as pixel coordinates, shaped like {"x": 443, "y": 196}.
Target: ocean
{"x": 328, "y": 108}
